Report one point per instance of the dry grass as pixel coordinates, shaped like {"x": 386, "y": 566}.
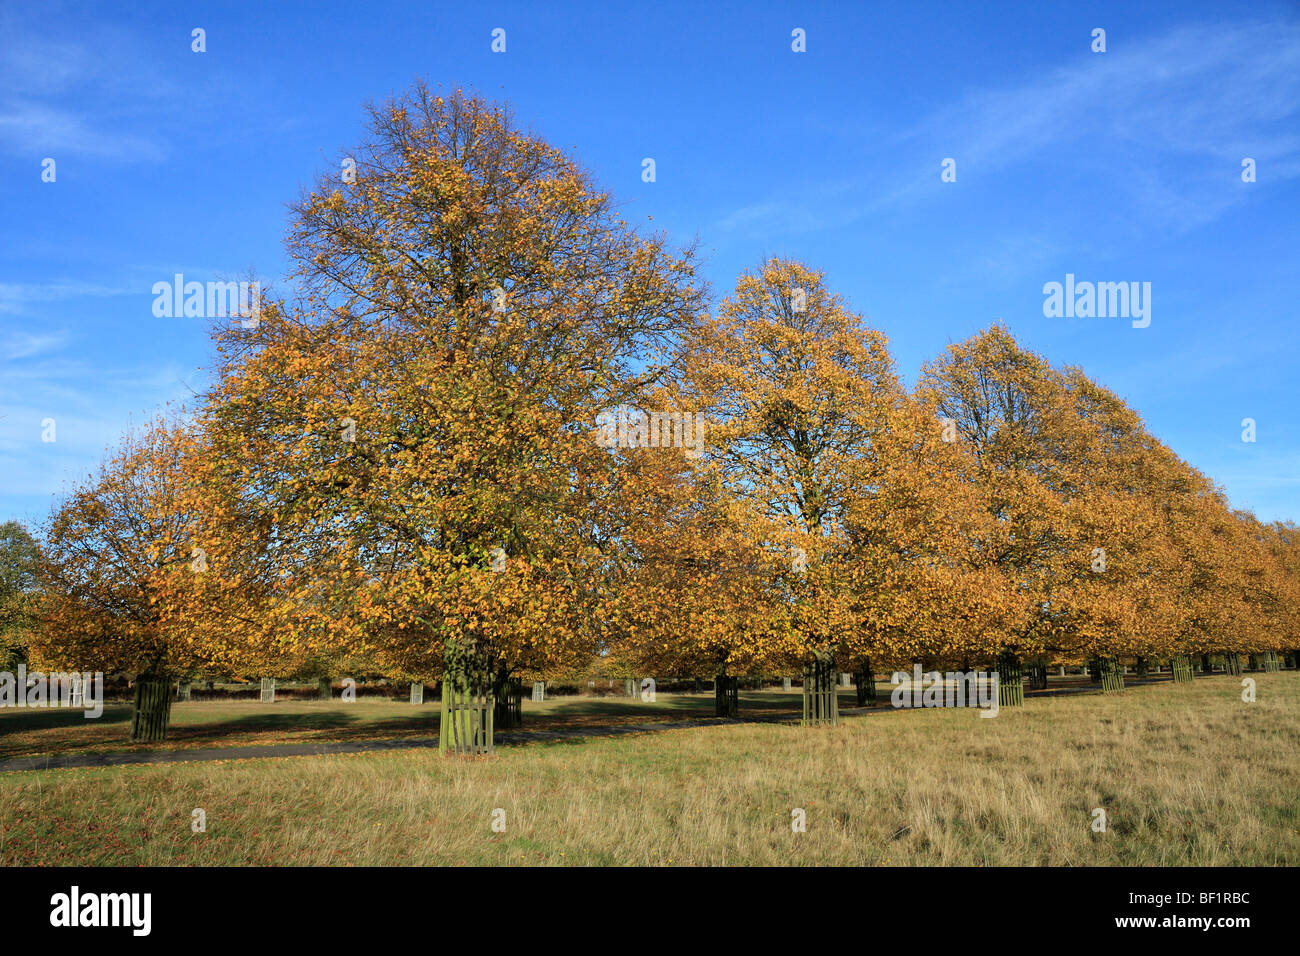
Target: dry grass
{"x": 1189, "y": 775}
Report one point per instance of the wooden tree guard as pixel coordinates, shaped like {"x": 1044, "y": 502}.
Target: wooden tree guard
{"x": 1038, "y": 676}
{"x": 539, "y": 691}
{"x": 152, "y": 709}
{"x": 820, "y": 697}
{"x": 629, "y": 687}
{"x": 323, "y": 688}
{"x": 1182, "y": 668}
{"x": 1094, "y": 670}
{"x": 268, "y": 690}
{"x": 465, "y": 722}
{"x": 1141, "y": 668}
{"x": 1011, "y": 687}
{"x": 417, "y": 693}
{"x": 183, "y": 689}
{"x": 1112, "y": 680}
{"x": 726, "y": 696}
{"x": 1271, "y": 662}
{"x": 1253, "y": 662}
{"x": 865, "y": 682}
{"x": 509, "y": 704}
{"x": 1232, "y": 663}
{"x": 785, "y": 683}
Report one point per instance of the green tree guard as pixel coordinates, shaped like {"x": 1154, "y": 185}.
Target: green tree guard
{"x": 1140, "y": 668}
{"x": 1011, "y": 685}
{"x": 323, "y": 688}
{"x": 1112, "y": 678}
{"x": 1271, "y": 663}
{"x": 467, "y": 712}
{"x": 465, "y": 720}
{"x": 509, "y": 703}
{"x": 183, "y": 689}
{"x": 726, "y": 696}
{"x": 820, "y": 697}
{"x": 1232, "y": 663}
{"x": 1182, "y": 669}
{"x": 151, "y": 710}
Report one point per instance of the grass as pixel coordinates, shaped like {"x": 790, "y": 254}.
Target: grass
{"x": 1188, "y": 775}
{"x": 197, "y": 724}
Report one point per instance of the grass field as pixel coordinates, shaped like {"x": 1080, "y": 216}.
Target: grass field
{"x": 1188, "y": 775}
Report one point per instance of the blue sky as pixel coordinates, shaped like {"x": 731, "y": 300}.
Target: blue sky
{"x": 1115, "y": 166}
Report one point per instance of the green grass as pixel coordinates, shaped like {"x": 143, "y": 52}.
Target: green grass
{"x": 196, "y": 724}
{"x": 1188, "y": 774}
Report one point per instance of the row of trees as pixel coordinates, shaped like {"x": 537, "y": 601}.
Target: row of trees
{"x": 399, "y": 468}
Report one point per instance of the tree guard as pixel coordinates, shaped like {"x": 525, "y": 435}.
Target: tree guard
{"x": 1271, "y": 662}
{"x": 323, "y": 688}
{"x": 726, "y": 696}
{"x": 1182, "y": 668}
{"x": 1038, "y": 676}
{"x": 509, "y": 703}
{"x": 865, "y": 682}
{"x": 152, "y": 708}
{"x": 1140, "y": 668}
{"x": 417, "y": 693}
{"x": 820, "y": 698}
{"x": 1011, "y": 688}
{"x": 1112, "y": 680}
{"x": 1232, "y": 663}
{"x": 465, "y": 721}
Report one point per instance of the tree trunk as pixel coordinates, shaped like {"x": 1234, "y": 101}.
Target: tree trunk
{"x": 323, "y": 688}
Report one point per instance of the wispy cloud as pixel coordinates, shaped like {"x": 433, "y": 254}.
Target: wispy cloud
{"x": 14, "y": 296}
{"x": 1154, "y": 131}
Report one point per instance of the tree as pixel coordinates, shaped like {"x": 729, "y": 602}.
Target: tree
{"x": 20, "y": 558}
{"x": 131, "y": 584}
{"x": 807, "y": 423}
{"x": 419, "y": 423}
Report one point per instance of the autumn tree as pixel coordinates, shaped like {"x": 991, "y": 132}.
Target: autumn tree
{"x": 809, "y": 425}
{"x": 19, "y": 569}
{"x": 131, "y": 584}
{"x": 418, "y": 421}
